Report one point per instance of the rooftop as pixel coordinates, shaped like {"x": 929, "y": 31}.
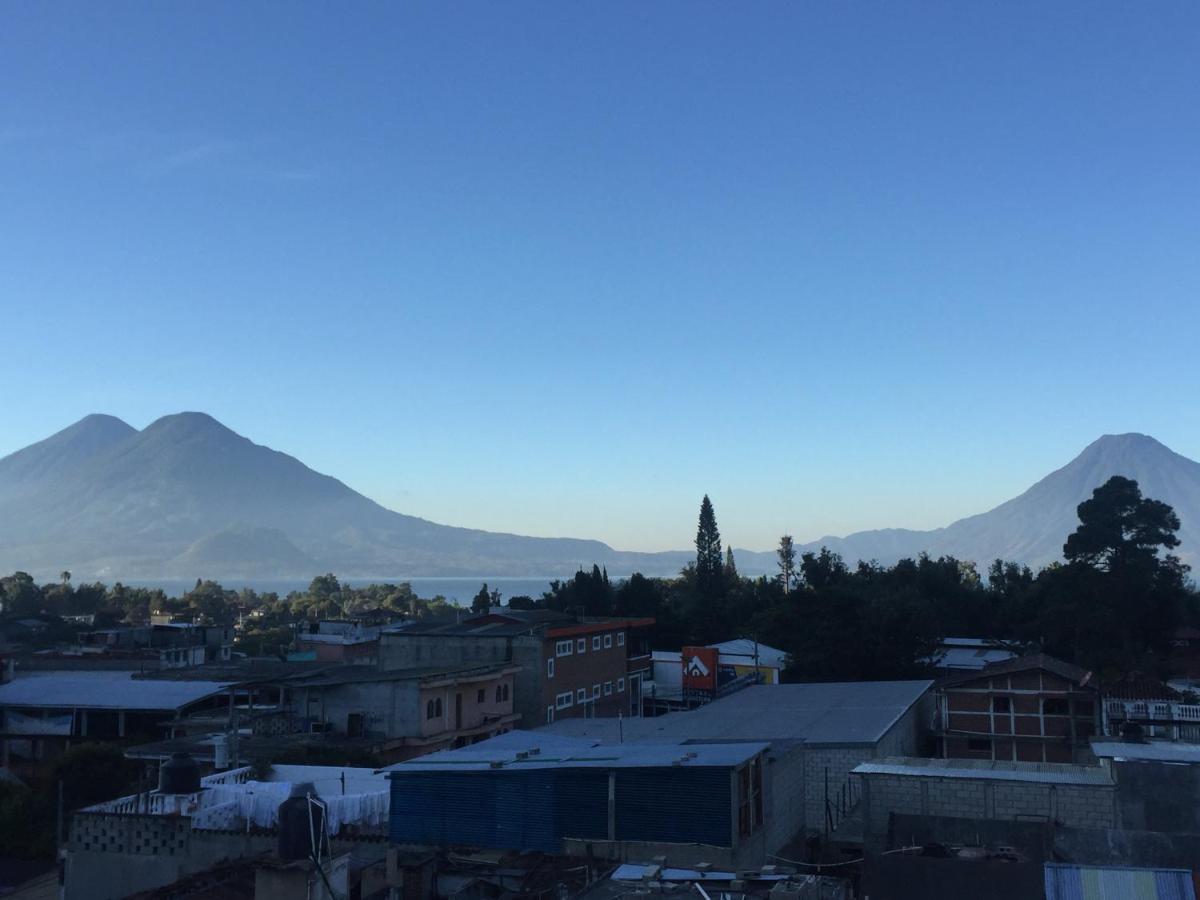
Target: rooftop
{"x": 1032, "y": 662}
{"x": 526, "y": 750}
{"x": 833, "y": 713}
{"x": 986, "y": 770}
{"x": 744, "y": 651}
{"x": 1153, "y": 751}
{"x": 103, "y": 690}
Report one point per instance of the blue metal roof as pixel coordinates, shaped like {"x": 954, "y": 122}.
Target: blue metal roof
{"x": 1066, "y": 882}
{"x": 526, "y": 750}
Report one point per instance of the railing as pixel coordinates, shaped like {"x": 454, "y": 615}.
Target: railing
{"x": 1177, "y": 721}
{"x": 153, "y": 803}
{"x": 839, "y": 804}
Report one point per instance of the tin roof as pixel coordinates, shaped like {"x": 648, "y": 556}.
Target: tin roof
{"x": 833, "y": 713}
{"x": 1067, "y": 882}
{"x": 1153, "y": 751}
{"x": 524, "y": 750}
{"x": 103, "y": 690}
{"x": 1029, "y": 663}
{"x": 986, "y": 770}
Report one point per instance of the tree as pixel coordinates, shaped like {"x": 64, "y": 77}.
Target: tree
{"x": 787, "y": 561}
{"x": 1118, "y": 527}
{"x": 65, "y": 575}
{"x": 483, "y": 601}
{"x": 709, "y": 561}
{"x": 731, "y": 572}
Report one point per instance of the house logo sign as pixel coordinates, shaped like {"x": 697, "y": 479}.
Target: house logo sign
{"x": 696, "y": 668}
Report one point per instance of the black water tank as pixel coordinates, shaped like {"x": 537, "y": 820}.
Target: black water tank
{"x": 179, "y": 775}
{"x": 299, "y": 823}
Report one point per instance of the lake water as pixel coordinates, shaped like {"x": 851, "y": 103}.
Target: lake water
{"x": 457, "y": 590}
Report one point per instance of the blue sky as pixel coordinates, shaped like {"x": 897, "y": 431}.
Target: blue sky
{"x": 561, "y": 268}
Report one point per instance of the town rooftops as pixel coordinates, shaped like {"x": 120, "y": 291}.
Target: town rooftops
{"x": 349, "y": 674}
{"x": 525, "y": 750}
{"x": 1033, "y": 662}
{"x": 103, "y": 690}
{"x": 836, "y": 713}
{"x": 1152, "y": 751}
{"x": 969, "y": 654}
{"x": 986, "y": 770}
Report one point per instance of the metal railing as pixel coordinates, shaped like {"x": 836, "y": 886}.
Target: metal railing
{"x": 841, "y": 802}
{"x": 1160, "y": 718}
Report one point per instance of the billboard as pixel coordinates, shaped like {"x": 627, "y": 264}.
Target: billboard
{"x": 700, "y": 668}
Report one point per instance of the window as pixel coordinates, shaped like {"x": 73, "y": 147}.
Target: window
{"x": 429, "y": 713}
{"x": 499, "y": 693}
{"x": 549, "y": 714}
{"x": 596, "y": 642}
{"x": 481, "y": 694}
{"x": 581, "y": 695}
{"x": 620, "y": 685}
{"x": 595, "y": 691}
{"x": 1055, "y": 707}
{"x": 979, "y": 745}
{"x": 550, "y": 667}
{"x": 621, "y": 639}
{"x": 563, "y": 648}
{"x": 750, "y": 804}
{"x": 1001, "y": 705}
{"x": 607, "y": 641}
{"x": 581, "y": 645}
{"x": 607, "y": 688}
{"x": 562, "y": 701}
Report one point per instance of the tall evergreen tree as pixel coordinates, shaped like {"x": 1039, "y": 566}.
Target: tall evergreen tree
{"x": 708, "y": 550}
{"x": 730, "y": 565}
{"x": 787, "y": 561}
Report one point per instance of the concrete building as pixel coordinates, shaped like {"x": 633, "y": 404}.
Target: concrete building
{"x": 962, "y": 654}
{"x": 531, "y": 791}
{"x": 407, "y": 712}
{"x": 818, "y": 733}
{"x": 337, "y": 641}
{"x": 568, "y": 668}
{"x": 172, "y": 644}
{"x": 1157, "y": 709}
{"x": 1031, "y": 709}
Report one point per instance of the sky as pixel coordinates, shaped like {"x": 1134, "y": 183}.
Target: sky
{"x": 562, "y": 268}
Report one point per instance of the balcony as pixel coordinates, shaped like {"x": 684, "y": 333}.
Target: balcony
{"x": 1160, "y": 718}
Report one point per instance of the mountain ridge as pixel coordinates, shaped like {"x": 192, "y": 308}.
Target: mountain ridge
{"x": 187, "y": 495}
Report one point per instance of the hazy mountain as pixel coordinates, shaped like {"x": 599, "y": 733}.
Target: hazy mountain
{"x": 1032, "y": 527}
{"x": 186, "y": 497}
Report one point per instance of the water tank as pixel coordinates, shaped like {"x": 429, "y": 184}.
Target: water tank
{"x": 220, "y": 752}
{"x": 179, "y": 775}
{"x": 300, "y": 824}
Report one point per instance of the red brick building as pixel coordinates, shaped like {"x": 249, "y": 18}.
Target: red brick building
{"x": 1032, "y": 709}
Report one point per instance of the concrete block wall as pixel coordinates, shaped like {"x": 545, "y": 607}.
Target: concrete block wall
{"x": 784, "y": 795}
{"x": 1078, "y": 806}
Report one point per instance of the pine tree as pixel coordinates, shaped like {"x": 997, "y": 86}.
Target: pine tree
{"x": 730, "y": 566}
{"x": 787, "y": 562}
{"x": 708, "y": 550}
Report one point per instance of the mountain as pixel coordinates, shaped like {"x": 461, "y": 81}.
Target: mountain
{"x": 1032, "y": 527}
{"x": 187, "y": 497}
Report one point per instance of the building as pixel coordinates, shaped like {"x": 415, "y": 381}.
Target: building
{"x": 336, "y": 641}
{"x": 818, "y": 733}
{"x": 43, "y": 713}
{"x": 1030, "y": 709}
{"x": 743, "y": 656}
{"x": 568, "y": 667}
{"x": 150, "y": 840}
{"x": 1155, "y": 708}
{"x": 1073, "y": 882}
{"x": 958, "y": 654}
{"x": 533, "y": 791}
{"x": 405, "y": 712}
{"x": 172, "y": 644}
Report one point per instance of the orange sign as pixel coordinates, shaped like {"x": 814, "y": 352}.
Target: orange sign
{"x": 700, "y": 668}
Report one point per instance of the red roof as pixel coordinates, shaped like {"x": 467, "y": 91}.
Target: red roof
{"x": 596, "y": 627}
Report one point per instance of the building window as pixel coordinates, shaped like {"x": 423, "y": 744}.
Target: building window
{"x": 550, "y": 667}
{"x": 621, "y": 639}
{"x": 549, "y": 714}
{"x": 429, "y": 710}
{"x": 620, "y": 685}
{"x": 581, "y": 695}
{"x": 595, "y": 691}
{"x": 1001, "y": 705}
{"x": 433, "y": 709}
{"x": 562, "y": 701}
{"x": 505, "y": 697}
{"x": 563, "y": 648}
{"x": 607, "y": 641}
{"x": 979, "y": 745}
{"x": 1055, "y": 707}
{"x": 499, "y": 693}
{"x": 596, "y": 642}
{"x": 481, "y": 694}
{"x": 581, "y": 645}
{"x": 607, "y": 688}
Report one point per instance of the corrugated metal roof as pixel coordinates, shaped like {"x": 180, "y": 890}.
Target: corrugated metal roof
{"x": 835, "y": 713}
{"x": 970, "y": 658}
{"x": 526, "y": 750}
{"x": 103, "y": 690}
{"x": 741, "y": 651}
{"x": 987, "y": 770}
{"x": 1153, "y": 751}
{"x": 1066, "y": 882}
